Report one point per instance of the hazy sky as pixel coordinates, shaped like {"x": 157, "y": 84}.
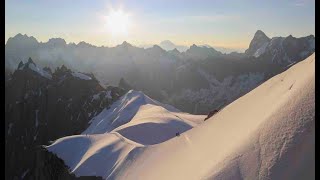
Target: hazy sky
{"x": 224, "y": 23}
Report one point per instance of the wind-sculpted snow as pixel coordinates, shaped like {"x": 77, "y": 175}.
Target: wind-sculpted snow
{"x": 121, "y": 112}
{"x": 266, "y": 134}
{"x": 93, "y": 155}
{"x": 155, "y": 124}
{"x": 133, "y": 122}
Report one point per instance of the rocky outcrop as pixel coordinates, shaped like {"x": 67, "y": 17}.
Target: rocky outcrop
{"x": 39, "y": 109}
{"x": 259, "y": 40}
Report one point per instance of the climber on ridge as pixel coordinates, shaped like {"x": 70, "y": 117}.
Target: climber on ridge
{"x": 211, "y": 113}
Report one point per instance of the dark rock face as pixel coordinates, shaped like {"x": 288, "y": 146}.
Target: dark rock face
{"x": 259, "y": 39}
{"x": 49, "y": 166}
{"x": 39, "y": 109}
{"x": 211, "y": 113}
{"x": 281, "y": 50}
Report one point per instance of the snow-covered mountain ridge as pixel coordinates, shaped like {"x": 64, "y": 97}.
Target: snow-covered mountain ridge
{"x": 245, "y": 140}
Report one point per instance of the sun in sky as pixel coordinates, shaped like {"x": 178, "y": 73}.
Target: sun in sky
{"x": 118, "y": 22}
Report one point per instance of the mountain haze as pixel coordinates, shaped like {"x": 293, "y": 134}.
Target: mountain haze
{"x": 183, "y": 79}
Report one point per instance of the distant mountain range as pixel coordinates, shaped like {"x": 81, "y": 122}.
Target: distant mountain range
{"x": 197, "y": 80}
{"x": 168, "y": 46}
{"x": 55, "y": 90}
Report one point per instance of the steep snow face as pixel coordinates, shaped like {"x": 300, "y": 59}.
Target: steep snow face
{"x": 266, "y": 134}
{"x": 245, "y": 140}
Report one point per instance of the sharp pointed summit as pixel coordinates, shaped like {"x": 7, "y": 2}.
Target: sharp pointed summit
{"x": 259, "y": 40}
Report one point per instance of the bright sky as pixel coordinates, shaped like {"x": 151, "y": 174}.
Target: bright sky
{"x": 227, "y": 23}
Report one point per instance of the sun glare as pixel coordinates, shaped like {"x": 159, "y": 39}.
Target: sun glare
{"x": 118, "y": 22}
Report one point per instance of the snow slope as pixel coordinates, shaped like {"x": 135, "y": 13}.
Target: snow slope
{"x": 266, "y": 134}
{"x": 133, "y": 122}
{"x": 136, "y": 108}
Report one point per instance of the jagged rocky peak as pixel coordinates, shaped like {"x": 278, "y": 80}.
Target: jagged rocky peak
{"x": 30, "y": 66}
{"x": 57, "y": 42}
{"x": 175, "y": 51}
{"x": 203, "y": 48}
{"x": 22, "y": 40}
{"x": 125, "y": 45}
{"x": 259, "y": 40}
{"x": 22, "y": 65}
{"x": 261, "y": 35}
{"x": 283, "y": 51}
{"x": 30, "y": 61}
{"x": 61, "y": 71}
{"x": 157, "y": 48}
{"x": 85, "y": 44}
{"x": 23, "y": 37}
{"x": 202, "y": 52}
{"x": 63, "y": 68}
{"x": 193, "y": 46}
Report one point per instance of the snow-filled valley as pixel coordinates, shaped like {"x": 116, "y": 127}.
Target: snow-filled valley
{"x": 267, "y": 133}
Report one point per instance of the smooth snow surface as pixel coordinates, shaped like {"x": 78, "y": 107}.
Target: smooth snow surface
{"x": 266, "y": 134}
{"x": 133, "y": 122}
{"x": 81, "y": 76}
{"x": 137, "y": 108}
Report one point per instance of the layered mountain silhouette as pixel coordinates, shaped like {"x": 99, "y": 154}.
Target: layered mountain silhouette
{"x": 280, "y": 50}
{"x": 169, "y": 46}
{"x": 49, "y": 95}
{"x": 197, "y": 80}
